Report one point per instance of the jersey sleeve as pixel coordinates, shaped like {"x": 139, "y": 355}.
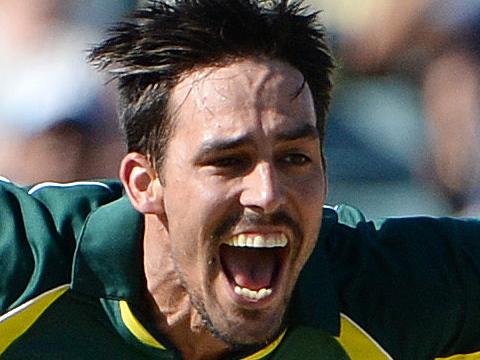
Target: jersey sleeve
{"x": 413, "y": 284}
{"x": 38, "y": 231}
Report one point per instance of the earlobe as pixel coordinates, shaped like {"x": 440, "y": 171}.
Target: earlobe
{"x": 141, "y": 184}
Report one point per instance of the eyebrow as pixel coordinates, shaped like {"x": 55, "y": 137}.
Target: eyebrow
{"x": 224, "y": 144}
{"x": 305, "y": 131}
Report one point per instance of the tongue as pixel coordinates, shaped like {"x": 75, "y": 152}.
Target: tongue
{"x": 249, "y": 268}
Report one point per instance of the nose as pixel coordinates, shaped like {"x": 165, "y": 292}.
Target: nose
{"x": 262, "y": 189}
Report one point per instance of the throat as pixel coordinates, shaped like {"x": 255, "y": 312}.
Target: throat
{"x": 179, "y": 321}
{"x": 168, "y": 302}
{"x": 196, "y": 341}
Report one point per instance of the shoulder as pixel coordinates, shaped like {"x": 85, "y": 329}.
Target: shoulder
{"x": 343, "y": 224}
{"x": 51, "y": 193}
{"x": 418, "y": 274}
{"x": 39, "y": 228}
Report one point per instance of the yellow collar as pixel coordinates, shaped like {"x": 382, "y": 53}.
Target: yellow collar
{"x": 139, "y": 331}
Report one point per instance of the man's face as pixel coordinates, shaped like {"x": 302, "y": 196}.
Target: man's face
{"x": 243, "y": 193}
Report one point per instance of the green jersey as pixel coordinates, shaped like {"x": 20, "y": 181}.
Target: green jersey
{"x": 72, "y": 283}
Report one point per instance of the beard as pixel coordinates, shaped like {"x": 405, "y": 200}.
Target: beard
{"x": 234, "y": 342}
{"x": 230, "y": 331}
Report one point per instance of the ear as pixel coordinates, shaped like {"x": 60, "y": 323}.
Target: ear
{"x": 142, "y": 184}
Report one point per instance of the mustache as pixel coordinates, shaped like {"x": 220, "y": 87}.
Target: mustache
{"x": 279, "y": 218}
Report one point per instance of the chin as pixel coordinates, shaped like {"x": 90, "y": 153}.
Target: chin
{"x": 238, "y": 326}
{"x": 248, "y": 332}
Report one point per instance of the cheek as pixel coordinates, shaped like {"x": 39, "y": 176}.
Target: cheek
{"x": 310, "y": 193}
{"x": 194, "y": 209}
{"x": 190, "y": 200}
{"x": 213, "y": 197}
{"x": 310, "y": 198}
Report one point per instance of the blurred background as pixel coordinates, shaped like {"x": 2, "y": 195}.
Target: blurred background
{"x": 403, "y": 133}
{"x": 404, "y": 127}
{"x": 57, "y": 117}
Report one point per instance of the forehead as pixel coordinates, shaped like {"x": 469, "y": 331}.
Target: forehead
{"x": 241, "y": 97}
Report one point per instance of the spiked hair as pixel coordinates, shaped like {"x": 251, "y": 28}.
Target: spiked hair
{"x": 149, "y": 54}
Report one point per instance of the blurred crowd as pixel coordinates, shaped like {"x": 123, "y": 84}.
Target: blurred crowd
{"x": 403, "y": 131}
{"x": 57, "y": 119}
{"x": 405, "y": 123}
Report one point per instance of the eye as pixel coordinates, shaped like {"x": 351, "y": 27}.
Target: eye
{"x": 296, "y": 159}
{"x": 226, "y": 162}
{"x": 231, "y": 165}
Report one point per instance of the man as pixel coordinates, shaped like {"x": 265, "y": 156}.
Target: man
{"x": 215, "y": 110}
{"x": 223, "y": 104}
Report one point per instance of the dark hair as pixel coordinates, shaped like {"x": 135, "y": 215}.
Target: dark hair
{"x": 149, "y": 53}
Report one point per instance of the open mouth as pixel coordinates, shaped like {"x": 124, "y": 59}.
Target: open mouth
{"x": 253, "y": 263}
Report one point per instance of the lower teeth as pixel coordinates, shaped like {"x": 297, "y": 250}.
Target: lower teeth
{"x": 253, "y": 294}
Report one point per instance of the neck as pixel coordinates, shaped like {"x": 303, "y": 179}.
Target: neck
{"x": 170, "y": 305}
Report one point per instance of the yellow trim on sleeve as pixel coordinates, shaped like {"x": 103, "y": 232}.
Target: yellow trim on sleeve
{"x": 136, "y": 328}
{"x": 357, "y": 343}
{"x": 266, "y": 350}
{"x": 16, "y": 322}
{"x": 472, "y": 356}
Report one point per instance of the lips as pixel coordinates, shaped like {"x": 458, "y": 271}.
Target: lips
{"x": 252, "y": 263}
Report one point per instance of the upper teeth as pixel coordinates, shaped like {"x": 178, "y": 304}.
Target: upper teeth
{"x": 258, "y": 241}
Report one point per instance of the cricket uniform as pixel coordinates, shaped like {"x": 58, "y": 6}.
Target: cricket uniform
{"x": 72, "y": 284}
{"x": 72, "y": 281}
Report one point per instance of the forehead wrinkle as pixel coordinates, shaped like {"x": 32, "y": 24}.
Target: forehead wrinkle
{"x": 302, "y": 131}
{"x": 223, "y": 90}
{"x": 188, "y": 87}
{"x": 300, "y": 90}
{"x": 268, "y": 86}
{"x": 199, "y": 80}
{"x": 274, "y": 76}
{"x": 260, "y": 86}
{"x": 255, "y": 88}
{"x": 198, "y": 85}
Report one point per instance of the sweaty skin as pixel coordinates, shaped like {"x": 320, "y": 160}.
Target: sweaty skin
{"x": 243, "y": 162}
